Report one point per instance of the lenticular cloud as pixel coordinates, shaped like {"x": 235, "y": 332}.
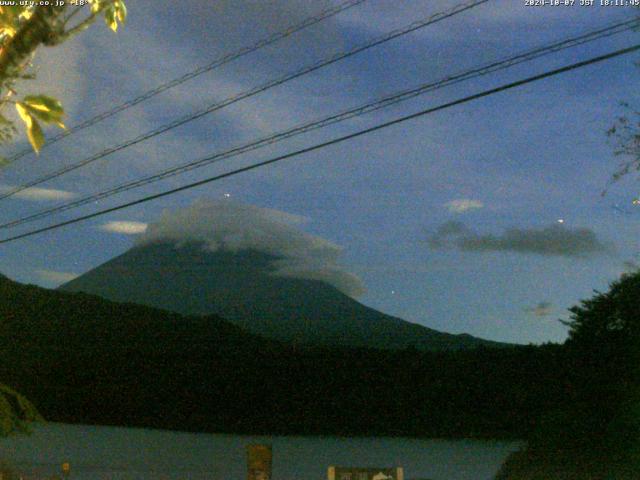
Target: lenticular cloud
{"x": 234, "y": 227}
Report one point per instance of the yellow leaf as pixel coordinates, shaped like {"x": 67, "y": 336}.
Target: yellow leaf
{"x": 38, "y": 106}
{"x": 24, "y": 114}
{"x": 121, "y": 10}
{"x": 34, "y": 132}
{"x": 27, "y": 14}
{"x": 96, "y": 5}
{"x": 110, "y": 18}
{"x": 35, "y": 136}
{"x": 8, "y": 31}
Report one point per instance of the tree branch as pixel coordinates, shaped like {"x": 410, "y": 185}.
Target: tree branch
{"x": 35, "y": 31}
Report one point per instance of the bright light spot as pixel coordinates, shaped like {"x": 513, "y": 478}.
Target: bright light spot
{"x": 561, "y": 220}
{"x": 636, "y": 201}
{"x": 124, "y": 227}
{"x": 393, "y": 292}
{"x": 227, "y": 195}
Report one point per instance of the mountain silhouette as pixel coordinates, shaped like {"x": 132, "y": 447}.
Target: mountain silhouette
{"x": 243, "y": 288}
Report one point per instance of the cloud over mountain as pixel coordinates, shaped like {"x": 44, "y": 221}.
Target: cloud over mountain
{"x": 234, "y": 227}
{"x": 554, "y": 240}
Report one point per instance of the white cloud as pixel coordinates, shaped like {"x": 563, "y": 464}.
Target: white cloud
{"x": 226, "y": 225}
{"x": 124, "y": 227}
{"x": 462, "y": 205}
{"x": 55, "y": 278}
{"x": 39, "y": 194}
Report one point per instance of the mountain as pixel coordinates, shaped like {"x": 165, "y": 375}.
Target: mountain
{"x": 83, "y": 359}
{"x": 242, "y": 287}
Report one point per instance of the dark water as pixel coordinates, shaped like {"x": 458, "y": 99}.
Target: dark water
{"x": 123, "y": 453}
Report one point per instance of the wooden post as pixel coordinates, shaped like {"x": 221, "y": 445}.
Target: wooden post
{"x": 259, "y": 460}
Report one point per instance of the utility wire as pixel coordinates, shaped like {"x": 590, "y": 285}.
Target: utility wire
{"x": 334, "y": 141}
{"x": 387, "y": 101}
{"x": 271, "y": 39}
{"x": 249, "y": 93}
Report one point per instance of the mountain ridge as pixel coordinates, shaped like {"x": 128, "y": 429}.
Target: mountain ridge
{"x": 246, "y": 289}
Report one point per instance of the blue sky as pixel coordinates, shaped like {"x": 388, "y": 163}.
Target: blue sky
{"x": 519, "y": 160}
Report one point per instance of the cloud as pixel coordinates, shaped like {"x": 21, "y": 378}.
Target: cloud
{"x": 462, "y": 205}
{"x": 39, "y": 194}
{"x": 542, "y": 309}
{"x": 56, "y": 278}
{"x": 226, "y": 225}
{"x": 124, "y": 227}
{"x": 554, "y": 240}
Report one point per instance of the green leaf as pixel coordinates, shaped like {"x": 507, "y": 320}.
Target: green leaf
{"x": 34, "y": 132}
{"x": 44, "y": 103}
{"x": 45, "y": 109}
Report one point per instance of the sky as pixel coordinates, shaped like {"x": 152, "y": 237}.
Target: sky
{"x": 486, "y": 218}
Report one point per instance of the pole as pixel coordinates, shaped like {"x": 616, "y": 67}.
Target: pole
{"x": 259, "y": 460}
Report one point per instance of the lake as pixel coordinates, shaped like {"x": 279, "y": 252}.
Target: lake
{"x": 113, "y": 453}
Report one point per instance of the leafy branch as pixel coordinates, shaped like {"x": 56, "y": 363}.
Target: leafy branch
{"x": 16, "y": 412}
{"x": 22, "y": 30}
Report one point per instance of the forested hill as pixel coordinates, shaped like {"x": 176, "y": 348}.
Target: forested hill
{"x": 86, "y": 360}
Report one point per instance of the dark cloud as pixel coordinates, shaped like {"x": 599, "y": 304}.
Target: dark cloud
{"x": 555, "y": 240}
{"x": 542, "y": 309}
{"x": 448, "y": 231}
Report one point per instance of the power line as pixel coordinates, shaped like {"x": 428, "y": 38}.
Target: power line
{"x": 271, "y": 39}
{"x": 339, "y": 117}
{"x": 249, "y": 93}
{"x": 334, "y": 141}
